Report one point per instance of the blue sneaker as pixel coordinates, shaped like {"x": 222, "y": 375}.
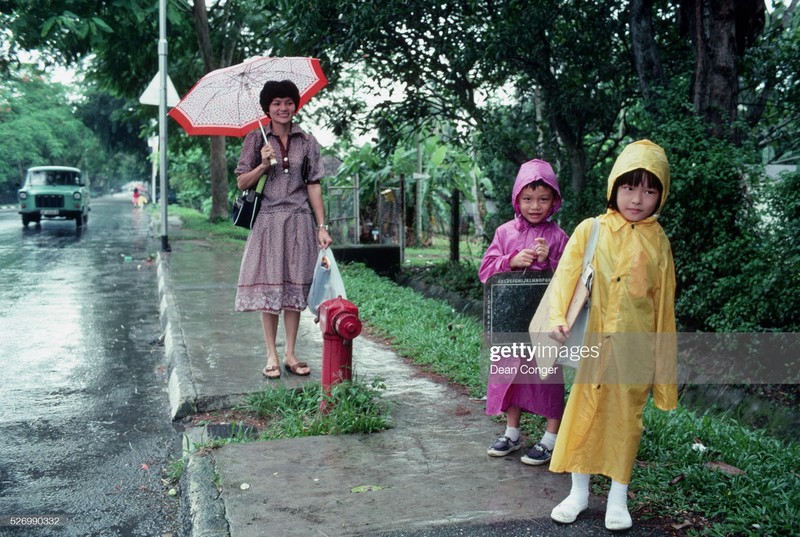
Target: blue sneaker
{"x": 504, "y": 446}
{"x": 538, "y": 454}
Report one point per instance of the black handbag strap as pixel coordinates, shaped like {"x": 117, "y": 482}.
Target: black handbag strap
{"x": 305, "y": 169}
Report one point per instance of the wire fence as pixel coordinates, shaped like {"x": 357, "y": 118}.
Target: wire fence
{"x": 342, "y": 209}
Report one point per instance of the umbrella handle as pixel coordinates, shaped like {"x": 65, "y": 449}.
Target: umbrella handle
{"x": 272, "y": 161}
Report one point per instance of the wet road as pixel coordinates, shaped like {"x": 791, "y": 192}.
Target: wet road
{"x": 84, "y": 416}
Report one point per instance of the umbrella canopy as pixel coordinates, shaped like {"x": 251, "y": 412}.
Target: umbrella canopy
{"x": 225, "y": 102}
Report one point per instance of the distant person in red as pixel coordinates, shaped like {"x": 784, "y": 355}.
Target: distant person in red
{"x": 138, "y": 198}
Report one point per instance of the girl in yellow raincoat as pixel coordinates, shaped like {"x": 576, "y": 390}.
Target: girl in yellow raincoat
{"x": 631, "y": 327}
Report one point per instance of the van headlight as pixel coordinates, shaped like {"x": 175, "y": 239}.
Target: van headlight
{"x": 23, "y": 195}
{"x": 76, "y": 196}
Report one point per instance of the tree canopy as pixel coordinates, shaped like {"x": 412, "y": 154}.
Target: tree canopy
{"x": 38, "y": 127}
{"x": 570, "y": 81}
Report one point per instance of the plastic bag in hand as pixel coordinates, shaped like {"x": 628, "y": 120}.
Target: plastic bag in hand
{"x": 327, "y": 282}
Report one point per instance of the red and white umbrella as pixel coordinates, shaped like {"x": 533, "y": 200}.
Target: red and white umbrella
{"x": 225, "y": 102}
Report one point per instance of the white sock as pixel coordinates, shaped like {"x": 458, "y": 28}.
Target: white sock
{"x": 617, "y": 515}
{"x": 513, "y": 433}
{"x": 578, "y": 500}
{"x": 549, "y": 440}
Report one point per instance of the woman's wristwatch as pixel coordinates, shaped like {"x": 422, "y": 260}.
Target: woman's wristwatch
{"x": 322, "y": 226}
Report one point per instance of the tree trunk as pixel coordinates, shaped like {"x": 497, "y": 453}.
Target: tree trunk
{"x": 455, "y": 225}
{"x": 218, "y": 164}
{"x": 220, "y": 209}
{"x": 203, "y": 34}
{"x": 720, "y": 31}
{"x": 570, "y": 135}
{"x": 711, "y": 25}
{"x": 577, "y": 165}
{"x": 646, "y": 57}
{"x": 716, "y": 86}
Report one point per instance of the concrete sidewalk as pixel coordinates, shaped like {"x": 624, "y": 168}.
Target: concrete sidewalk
{"x": 431, "y": 470}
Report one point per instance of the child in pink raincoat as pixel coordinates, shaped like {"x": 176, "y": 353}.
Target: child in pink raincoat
{"x": 530, "y": 241}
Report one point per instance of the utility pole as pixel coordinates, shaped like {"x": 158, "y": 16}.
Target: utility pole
{"x": 162, "y": 118}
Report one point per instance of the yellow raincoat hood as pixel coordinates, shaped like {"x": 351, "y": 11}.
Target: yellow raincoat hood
{"x": 646, "y": 155}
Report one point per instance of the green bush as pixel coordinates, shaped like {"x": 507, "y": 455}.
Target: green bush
{"x": 461, "y": 277}
{"x": 730, "y": 229}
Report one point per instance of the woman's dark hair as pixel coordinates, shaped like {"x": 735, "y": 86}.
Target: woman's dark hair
{"x": 274, "y": 89}
{"x": 634, "y": 178}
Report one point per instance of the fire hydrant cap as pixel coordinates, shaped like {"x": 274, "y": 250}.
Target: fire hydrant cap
{"x": 348, "y": 326}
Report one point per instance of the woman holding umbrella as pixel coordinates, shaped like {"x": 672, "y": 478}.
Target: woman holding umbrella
{"x": 278, "y": 261}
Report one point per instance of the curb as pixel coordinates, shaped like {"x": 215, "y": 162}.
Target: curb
{"x": 201, "y": 500}
{"x": 182, "y": 392}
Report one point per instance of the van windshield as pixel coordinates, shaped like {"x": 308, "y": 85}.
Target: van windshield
{"x": 55, "y": 178}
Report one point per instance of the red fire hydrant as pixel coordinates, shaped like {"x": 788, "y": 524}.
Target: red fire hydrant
{"x": 340, "y": 325}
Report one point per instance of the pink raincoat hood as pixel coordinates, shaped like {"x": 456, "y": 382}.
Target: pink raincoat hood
{"x": 517, "y": 234}
{"x": 535, "y": 170}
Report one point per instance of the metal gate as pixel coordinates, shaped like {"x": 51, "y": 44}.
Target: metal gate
{"x": 341, "y": 209}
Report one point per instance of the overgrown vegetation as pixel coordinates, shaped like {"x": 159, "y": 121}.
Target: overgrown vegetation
{"x": 425, "y": 330}
{"x": 712, "y": 476}
{"x": 728, "y": 224}
{"x": 461, "y": 277}
{"x": 351, "y": 407}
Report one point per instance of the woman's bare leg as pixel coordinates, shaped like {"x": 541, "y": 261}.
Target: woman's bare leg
{"x": 291, "y": 325}
{"x": 269, "y": 322}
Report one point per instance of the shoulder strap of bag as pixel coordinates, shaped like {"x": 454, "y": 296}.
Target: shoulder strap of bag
{"x": 591, "y": 246}
{"x": 261, "y": 183}
{"x": 260, "y": 141}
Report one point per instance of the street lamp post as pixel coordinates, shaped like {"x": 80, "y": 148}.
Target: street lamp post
{"x": 162, "y": 118}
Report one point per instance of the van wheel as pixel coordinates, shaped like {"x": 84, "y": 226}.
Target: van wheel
{"x": 26, "y": 219}
{"x": 79, "y": 221}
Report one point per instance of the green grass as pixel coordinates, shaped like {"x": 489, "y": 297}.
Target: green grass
{"x": 174, "y": 470}
{"x": 678, "y": 481}
{"x": 470, "y": 250}
{"x": 424, "y": 330}
{"x": 195, "y": 225}
{"x": 351, "y": 407}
